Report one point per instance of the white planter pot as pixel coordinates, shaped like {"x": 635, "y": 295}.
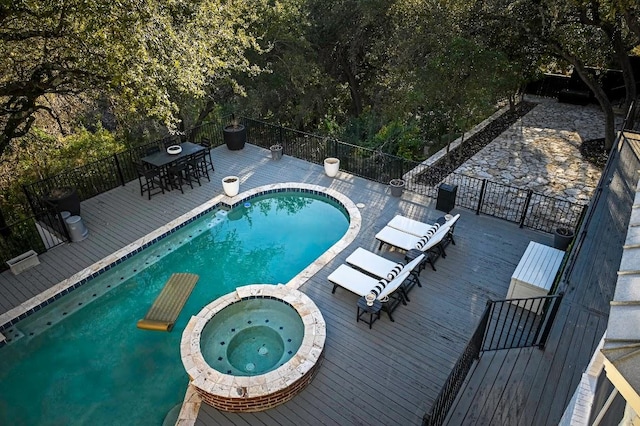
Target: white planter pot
{"x": 331, "y": 166}
{"x": 23, "y": 262}
{"x": 231, "y": 185}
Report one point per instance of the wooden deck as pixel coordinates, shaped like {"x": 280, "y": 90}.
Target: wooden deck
{"x": 388, "y": 375}
{"x": 533, "y": 387}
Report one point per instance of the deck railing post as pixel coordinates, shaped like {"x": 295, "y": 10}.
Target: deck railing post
{"x": 550, "y": 319}
{"x": 119, "y": 169}
{"x": 481, "y": 197}
{"x": 526, "y": 207}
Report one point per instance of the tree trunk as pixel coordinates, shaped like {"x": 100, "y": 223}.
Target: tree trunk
{"x": 601, "y": 96}
{"x": 598, "y": 91}
{"x": 620, "y": 53}
{"x": 204, "y": 113}
{"x": 631, "y": 18}
{"x": 354, "y": 88}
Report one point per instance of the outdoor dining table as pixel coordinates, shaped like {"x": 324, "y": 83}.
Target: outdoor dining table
{"x": 162, "y": 158}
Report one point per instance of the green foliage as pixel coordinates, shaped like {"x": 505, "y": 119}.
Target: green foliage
{"x": 144, "y": 56}
{"x": 83, "y": 147}
{"x": 40, "y": 155}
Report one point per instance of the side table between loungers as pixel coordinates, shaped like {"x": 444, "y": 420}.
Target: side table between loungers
{"x": 373, "y": 311}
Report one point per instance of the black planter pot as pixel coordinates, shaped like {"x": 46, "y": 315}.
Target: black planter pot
{"x": 562, "y": 237}
{"x": 64, "y": 199}
{"x": 235, "y": 136}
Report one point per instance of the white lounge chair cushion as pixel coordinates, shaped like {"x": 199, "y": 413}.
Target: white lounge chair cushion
{"x": 362, "y": 284}
{"x": 397, "y": 238}
{"x": 408, "y": 225}
{"x": 414, "y": 227}
{"x": 375, "y": 264}
{"x": 395, "y": 270}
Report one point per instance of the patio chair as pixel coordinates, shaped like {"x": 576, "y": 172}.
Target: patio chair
{"x": 198, "y": 166}
{"x": 381, "y": 267}
{"x": 402, "y": 240}
{"x": 150, "y": 180}
{"x": 152, "y": 150}
{"x": 178, "y": 173}
{"x": 207, "y": 145}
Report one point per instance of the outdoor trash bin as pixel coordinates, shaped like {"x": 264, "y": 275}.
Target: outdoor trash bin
{"x": 446, "y": 200}
{"x": 77, "y": 230}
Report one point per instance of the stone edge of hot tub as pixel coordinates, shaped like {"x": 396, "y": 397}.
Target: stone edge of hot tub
{"x": 245, "y": 394}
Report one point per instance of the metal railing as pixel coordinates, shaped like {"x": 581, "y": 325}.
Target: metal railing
{"x": 438, "y": 413}
{"x": 520, "y": 323}
{"x": 524, "y": 207}
{"x": 505, "y": 324}
{"x": 38, "y": 233}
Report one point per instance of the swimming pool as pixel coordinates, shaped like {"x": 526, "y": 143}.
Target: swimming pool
{"x": 82, "y": 360}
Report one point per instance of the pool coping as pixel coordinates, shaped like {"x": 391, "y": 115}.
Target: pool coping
{"x": 188, "y": 413}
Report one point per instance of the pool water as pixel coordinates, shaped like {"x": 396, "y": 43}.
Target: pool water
{"x": 252, "y": 337}
{"x": 81, "y": 360}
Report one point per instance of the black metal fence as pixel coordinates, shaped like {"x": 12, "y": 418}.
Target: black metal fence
{"x": 45, "y": 228}
{"x": 520, "y": 323}
{"x": 524, "y": 207}
{"x": 518, "y": 205}
{"x": 438, "y": 413}
{"x": 505, "y": 324}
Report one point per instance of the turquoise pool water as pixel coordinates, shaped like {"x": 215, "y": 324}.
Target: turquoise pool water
{"x": 82, "y": 360}
{"x": 252, "y": 337}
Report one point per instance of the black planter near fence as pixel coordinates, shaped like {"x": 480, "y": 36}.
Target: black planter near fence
{"x": 235, "y": 136}
{"x": 64, "y": 199}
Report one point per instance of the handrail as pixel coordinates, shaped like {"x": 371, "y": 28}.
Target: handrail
{"x": 504, "y": 324}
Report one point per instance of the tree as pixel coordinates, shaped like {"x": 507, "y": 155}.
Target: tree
{"x": 349, "y": 37}
{"x": 582, "y": 33}
{"x": 144, "y": 54}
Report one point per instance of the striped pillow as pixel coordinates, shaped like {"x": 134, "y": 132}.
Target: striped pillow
{"x": 422, "y": 242}
{"x": 395, "y": 271}
{"x": 432, "y": 230}
{"x": 377, "y": 289}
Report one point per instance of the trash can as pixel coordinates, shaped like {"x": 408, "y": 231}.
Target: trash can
{"x": 65, "y": 215}
{"x": 77, "y": 230}
{"x": 446, "y": 200}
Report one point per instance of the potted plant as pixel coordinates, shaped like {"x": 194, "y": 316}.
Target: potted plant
{"x": 562, "y": 237}
{"x": 331, "y": 166}
{"x": 235, "y": 135}
{"x": 64, "y": 199}
{"x": 276, "y": 151}
{"x": 397, "y": 186}
{"x": 231, "y": 185}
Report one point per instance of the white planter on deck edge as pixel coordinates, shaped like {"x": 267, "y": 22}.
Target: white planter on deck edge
{"x": 231, "y": 185}
{"x": 23, "y": 262}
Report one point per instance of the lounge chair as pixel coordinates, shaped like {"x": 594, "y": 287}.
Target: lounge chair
{"x": 362, "y": 284}
{"x": 402, "y": 240}
{"x": 381, "y": 267}
{"x": 412, "y": 226}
